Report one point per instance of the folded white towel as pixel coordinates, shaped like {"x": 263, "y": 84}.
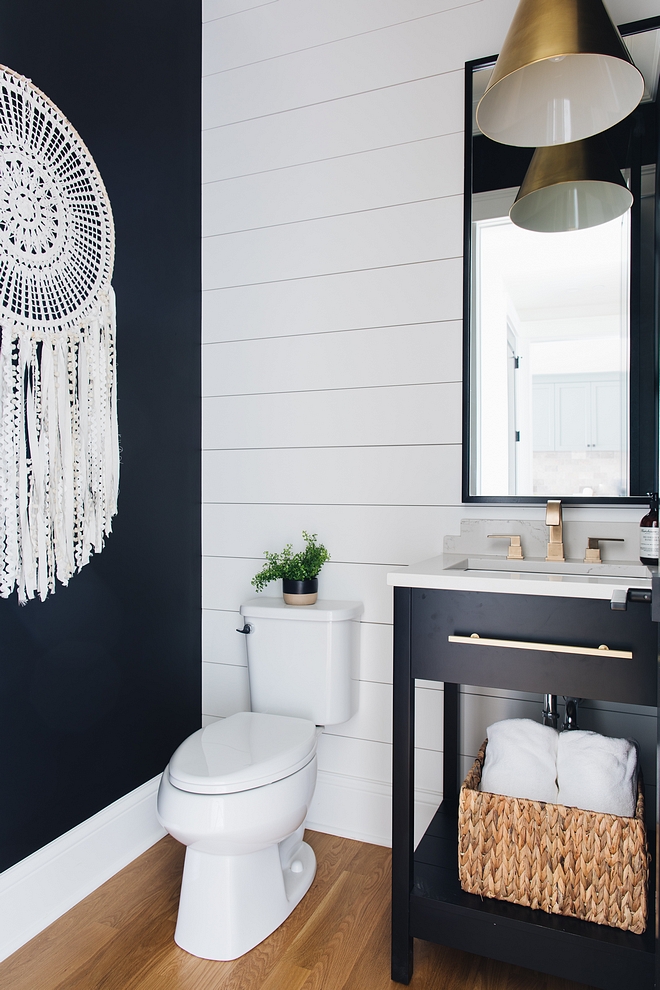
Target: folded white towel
{"x": 597, "y": 773}
{"x": 521, "y": 760}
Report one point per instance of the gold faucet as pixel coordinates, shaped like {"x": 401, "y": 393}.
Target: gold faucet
{"x": 553, "y": 519}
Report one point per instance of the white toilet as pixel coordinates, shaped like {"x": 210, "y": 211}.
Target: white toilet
{"x": 237, "y": 792}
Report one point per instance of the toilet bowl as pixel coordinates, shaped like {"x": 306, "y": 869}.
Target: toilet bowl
{"x": 237, "y": 792}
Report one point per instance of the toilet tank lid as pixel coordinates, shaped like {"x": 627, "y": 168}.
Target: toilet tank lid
{"x": 321, "y": 611}
{"x": 246, "y": 750}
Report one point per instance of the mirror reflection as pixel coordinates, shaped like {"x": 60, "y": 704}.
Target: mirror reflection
{"x": 556, "y": 322}
{"x": 551, "y": 344}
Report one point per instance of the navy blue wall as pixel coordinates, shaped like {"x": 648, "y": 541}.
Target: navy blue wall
{"x": 102, "y": 681}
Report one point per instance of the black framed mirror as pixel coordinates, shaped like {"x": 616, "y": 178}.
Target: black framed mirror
{"x": 560, "y": 330}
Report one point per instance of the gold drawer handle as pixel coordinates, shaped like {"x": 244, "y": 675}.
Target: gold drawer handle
{"x": 513, "y": 644}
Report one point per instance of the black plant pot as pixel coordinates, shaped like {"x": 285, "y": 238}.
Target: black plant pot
{"x": 300, "y": 592}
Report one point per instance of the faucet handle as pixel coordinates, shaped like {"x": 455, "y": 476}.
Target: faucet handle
{"x": 515, "y": 547}
{"x": 592, "y": 553}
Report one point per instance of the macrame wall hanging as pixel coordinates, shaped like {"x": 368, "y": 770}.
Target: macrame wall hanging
{"x": 59, "y": 445}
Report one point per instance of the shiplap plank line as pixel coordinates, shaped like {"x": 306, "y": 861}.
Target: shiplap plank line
{"x": 419, "y": 475}
{"x": 343, "y": 159}
{"x": 411, "y": 112}
{"x": 432, "y": 46}
{"x": 221, "y": 644}
{"x": 410, "y": 294}
{"x": 360, "y": 757}
{"x": 373, "y": 719}
{"x": 261, "y": 34}
{"x": 403, "y": 414}
{"x": 244, "y": 228}
{"x": 387, "y": 177}
{"x": 379, "y": 357}
{"x": 225, "y": 689}
{"x": 376, "y": 645}
{"x": 365, "y": 533}
{"x": 371, "y": 760}
{"x": 215, "y": 9}
{"x": 373, "y": 239}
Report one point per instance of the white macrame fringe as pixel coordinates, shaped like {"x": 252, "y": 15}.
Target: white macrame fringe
{"x": 59, "y": 450}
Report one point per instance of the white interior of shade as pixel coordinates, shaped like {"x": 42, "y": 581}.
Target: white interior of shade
{"x": 556, "y": 101}
{"x": 571, "y": 206}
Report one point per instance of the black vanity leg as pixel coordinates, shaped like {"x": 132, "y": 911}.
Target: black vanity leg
{"x": 656, "y": 596}
{"x": 655, "y": 616}
{"x": 451, "y": 744}
{"x": 403, "y": 781}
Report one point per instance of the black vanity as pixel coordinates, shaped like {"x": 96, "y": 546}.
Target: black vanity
{"x": 427, "y": 901}
{"x": 534, "y": 426}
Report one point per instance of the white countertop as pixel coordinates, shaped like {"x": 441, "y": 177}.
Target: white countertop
{"x": 452, "y": 572}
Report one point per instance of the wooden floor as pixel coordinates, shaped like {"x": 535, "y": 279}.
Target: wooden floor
{"x": 120, "y": 937}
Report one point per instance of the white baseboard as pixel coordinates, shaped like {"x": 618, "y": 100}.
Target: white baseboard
{"x": 42, "y": 887}
{"x": 45, "y": 885}
{"x": 362, "y": 809}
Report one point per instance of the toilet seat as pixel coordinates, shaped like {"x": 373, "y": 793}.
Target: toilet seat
{"x": 246, "y": 750}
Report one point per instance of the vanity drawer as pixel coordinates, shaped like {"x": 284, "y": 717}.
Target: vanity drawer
{"x": 534, "y": 619}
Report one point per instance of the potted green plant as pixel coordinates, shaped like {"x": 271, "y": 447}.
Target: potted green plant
{"x": 298, "y": 571}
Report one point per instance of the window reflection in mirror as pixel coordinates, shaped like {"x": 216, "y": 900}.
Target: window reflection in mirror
{"x": 550, "y": 334}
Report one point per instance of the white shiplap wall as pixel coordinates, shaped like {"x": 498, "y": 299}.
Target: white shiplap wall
{"x": 332, "y": 223}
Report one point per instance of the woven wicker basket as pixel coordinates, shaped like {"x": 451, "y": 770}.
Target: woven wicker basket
{"x": 552, "y": 858}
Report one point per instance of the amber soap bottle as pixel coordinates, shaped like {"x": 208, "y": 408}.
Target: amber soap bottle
{"x": 649, "y": 534}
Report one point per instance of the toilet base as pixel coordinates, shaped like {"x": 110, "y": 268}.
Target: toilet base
{"x": 229, "y": 904}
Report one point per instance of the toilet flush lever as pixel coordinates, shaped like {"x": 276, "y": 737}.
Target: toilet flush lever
{"x": 247, "y": 628}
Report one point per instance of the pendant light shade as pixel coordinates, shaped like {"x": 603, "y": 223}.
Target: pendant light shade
{"x": 563, "y": 74}
{"x": 570, "y": 187}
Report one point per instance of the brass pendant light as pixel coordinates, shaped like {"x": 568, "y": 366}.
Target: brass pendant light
{"x": 564, "y": 74}
{"x": 570, "y": 187}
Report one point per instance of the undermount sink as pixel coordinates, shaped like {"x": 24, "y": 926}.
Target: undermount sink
{"x": 536, "y": 565}
{"x": 571, "y": 578}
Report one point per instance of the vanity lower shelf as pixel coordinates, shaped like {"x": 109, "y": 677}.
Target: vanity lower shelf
{"x": 440, "y": 911}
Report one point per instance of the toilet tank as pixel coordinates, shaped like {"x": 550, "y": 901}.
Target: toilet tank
{"x": 303, "y": 660}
